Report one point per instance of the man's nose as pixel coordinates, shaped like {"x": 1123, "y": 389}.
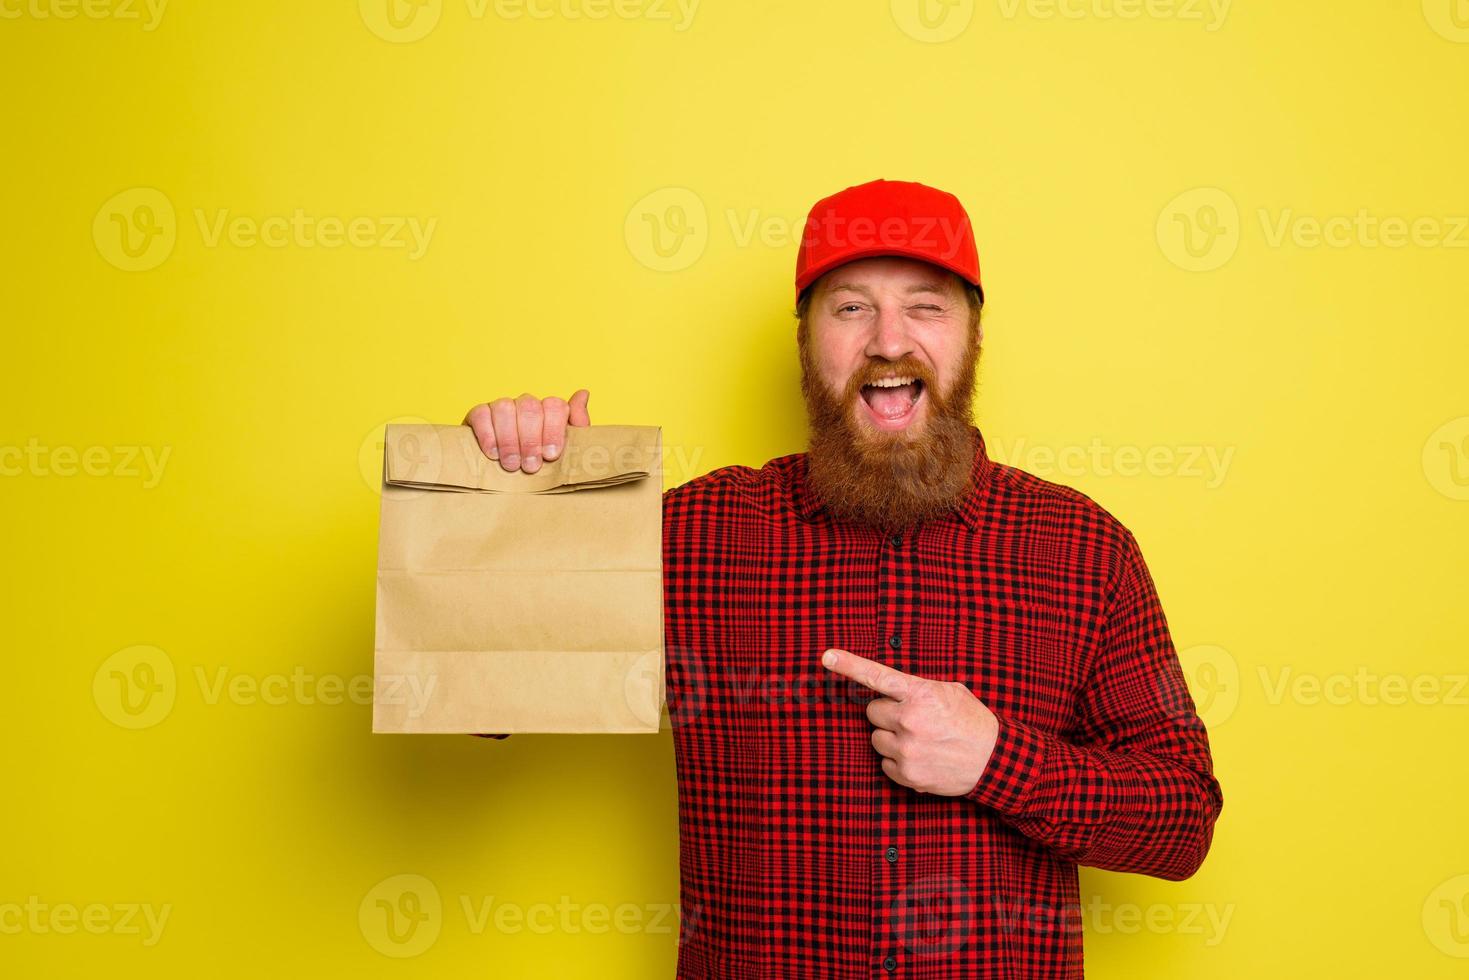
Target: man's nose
{"x": 890, "y": 338}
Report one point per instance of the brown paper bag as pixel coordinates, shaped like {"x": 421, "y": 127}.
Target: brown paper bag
{"x": 514, "y": 602}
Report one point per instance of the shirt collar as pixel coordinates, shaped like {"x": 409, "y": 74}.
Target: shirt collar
{"x": 808, "y": 505}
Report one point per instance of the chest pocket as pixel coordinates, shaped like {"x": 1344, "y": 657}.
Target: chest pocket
{"x": 1022, "y": 658}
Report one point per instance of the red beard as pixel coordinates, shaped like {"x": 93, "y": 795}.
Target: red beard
{"x": 890, "y": 480}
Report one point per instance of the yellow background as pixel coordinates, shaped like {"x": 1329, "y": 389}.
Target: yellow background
{"x": 1084, "y": 146}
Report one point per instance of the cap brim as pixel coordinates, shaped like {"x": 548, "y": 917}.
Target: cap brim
{"x": 817, "y": 272}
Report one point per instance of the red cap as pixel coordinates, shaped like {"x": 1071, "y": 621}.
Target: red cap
{"x": 887, "y": 217}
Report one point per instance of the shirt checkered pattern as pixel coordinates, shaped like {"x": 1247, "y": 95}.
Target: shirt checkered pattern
{"x": 799, "y": 857}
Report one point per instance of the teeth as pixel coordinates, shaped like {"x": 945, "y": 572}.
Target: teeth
{"x": 891, "y": 382}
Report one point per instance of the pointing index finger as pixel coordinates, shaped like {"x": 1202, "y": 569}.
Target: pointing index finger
{"x": 869, "y": 673}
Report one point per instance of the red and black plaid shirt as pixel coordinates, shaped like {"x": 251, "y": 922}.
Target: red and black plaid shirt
{"x": 799, "y": 857}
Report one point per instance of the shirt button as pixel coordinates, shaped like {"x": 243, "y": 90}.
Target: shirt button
{"x": 895, "y": 641}
{"x": 896, "y": 541}
{"x": 890, "y": 963}
{"x": 891, "y": 854}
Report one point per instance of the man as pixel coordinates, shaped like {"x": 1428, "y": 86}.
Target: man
{"x": 911, "y": 689}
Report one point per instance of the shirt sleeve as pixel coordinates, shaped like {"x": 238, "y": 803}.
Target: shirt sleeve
{"x": 1134, "y": 789}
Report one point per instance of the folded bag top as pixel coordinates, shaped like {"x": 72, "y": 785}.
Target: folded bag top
{"x": 448, "y": 457}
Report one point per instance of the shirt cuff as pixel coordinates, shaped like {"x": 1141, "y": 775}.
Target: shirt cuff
{"x": 1016, "y": 761}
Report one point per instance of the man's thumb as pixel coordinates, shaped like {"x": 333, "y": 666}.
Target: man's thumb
{"x": 578, "y": 408}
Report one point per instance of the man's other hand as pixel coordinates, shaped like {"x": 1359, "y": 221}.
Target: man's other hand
{"x": 933, "y": 736}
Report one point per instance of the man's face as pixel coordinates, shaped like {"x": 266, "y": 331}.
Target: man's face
{"x": 878, "y": 321}
{"x": 888, "y": 356}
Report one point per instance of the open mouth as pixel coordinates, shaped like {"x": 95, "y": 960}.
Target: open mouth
{"x": 892, "y": 401}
